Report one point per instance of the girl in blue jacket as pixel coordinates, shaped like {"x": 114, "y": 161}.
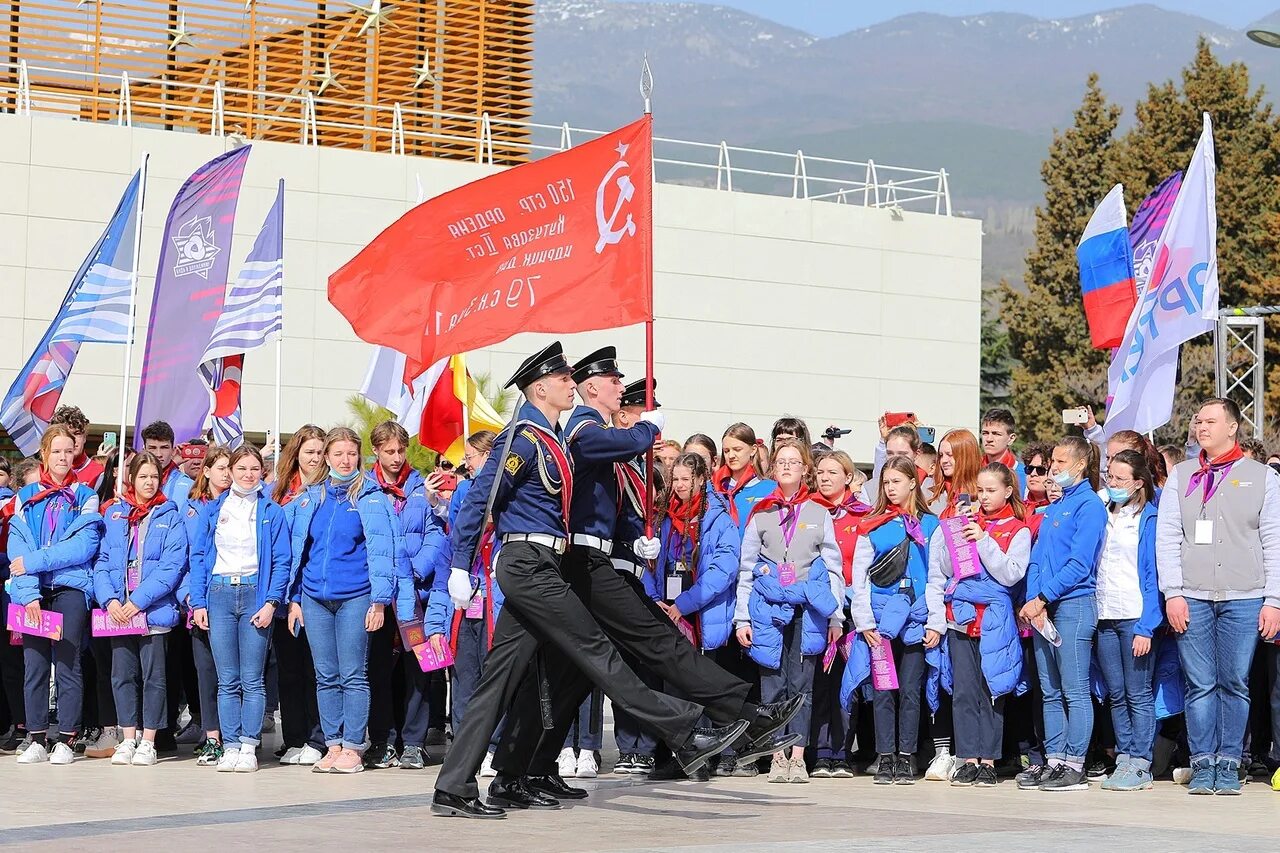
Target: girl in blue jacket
{"x": 53, "y": 542}
{"x": 347, "y": 558}
{"x": 1061, "y": 582}
{"x": 1130, "y": 613}
{"x": 239, "y": 576}
{"x": 694, "y": 578}
{"x": 890, "y": 571}
{"x": 140, "y": 565}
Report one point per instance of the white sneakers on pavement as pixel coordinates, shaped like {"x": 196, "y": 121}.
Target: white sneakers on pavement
{"x": 942, "y": 766}
{"x": 567, "y": 764}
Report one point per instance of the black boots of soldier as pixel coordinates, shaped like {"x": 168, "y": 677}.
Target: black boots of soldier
{"x": 704, "y": 743}
{"x": 451, "y": 805}
{"x": 512, "y": 792}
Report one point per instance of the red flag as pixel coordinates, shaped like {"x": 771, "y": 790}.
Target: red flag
{"x": 562, "y": 244}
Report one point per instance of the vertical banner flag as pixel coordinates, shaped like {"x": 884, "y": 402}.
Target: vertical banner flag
{"x": 191, "y": 282}
{"x": 1106, "y": 271}
{"x": 562, "y": 244}
{"x": 94, "y": 310}
{"x": 1147, "y": 225}
{"x": 1181, "y": 301}
{"x": 252, "y": 312}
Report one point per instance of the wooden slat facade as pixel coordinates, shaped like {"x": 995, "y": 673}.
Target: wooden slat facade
{"x": 479, "y": 53}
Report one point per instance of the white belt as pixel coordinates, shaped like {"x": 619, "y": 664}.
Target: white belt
{"x": 556, "y": 543}
{"x": 627, "y": 567}
{"x": 605, "y": 545}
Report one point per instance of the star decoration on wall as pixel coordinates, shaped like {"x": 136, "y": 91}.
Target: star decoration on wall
{"x": 425, "y": 74}
{"x": 179, "y": 35}
{"x": 327, "y": 78}
{"x": 374, "y": 16}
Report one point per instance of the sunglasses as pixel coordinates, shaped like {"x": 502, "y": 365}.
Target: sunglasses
{"x": 1037, "y": 470}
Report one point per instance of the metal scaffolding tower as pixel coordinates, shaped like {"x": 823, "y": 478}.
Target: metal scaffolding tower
{"x": 1241, "y": 360}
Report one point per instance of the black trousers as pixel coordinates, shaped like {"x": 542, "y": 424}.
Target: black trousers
{"x": 635, "y": 623}
{"x": 382, "y": 671}
{"x": 541, "y": 611}
{"x": 299, "y": 714}
{"x": 979, "y": 719}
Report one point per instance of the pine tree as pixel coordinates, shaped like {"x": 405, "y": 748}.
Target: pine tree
{"x": 1056, "y": 366}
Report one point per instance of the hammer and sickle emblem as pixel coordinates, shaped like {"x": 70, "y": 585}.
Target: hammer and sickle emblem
{"x": 609, "y": 235}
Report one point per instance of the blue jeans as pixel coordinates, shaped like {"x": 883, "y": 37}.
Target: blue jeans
{"x": 1216, "y": 652}
{"x": 587, "y": 732}
{"x": 1064, "y": 679}
{"x": 1128, "y": 679}
{"x": 340, "y": 650}
{"x": 473, "y": 648}
{"x": 240, "y": 655}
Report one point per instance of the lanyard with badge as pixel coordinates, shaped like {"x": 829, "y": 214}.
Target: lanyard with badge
{"x": 787, "y": 569}
{"x": 133, "y": 566}
{"x": 1204, "y": 524}
{"x": 679, "y": 568}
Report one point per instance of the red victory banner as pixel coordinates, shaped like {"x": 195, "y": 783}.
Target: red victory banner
{"x": 562, "y": 244}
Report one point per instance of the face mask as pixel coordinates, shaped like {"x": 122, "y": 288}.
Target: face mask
{"x": 1118, "y": 496}
{"x": 1064, "y": 478}
{"x": 240, "y": 491}
{"x": 343, "y": 478}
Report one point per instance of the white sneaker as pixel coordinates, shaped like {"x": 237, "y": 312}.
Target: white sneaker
{"x": 309, "y": 756}
{"x": 144, "y": 755}
{"x": 291, "y": 756}
{"x": 1182, "y": 775}
{"x": 247, "y": 762}
{"x": 486, "y": 769}
{"x": 780, "y": 769}
{"x": 587, "y": 767}
{"x": 35, "y": 753}
{"x": 567, "y": 764}
{"x": 230, "y": 758}
{"x": 123, "y": 754}
{"x": 62, "y": 754}
{"x": 942, "y": 766}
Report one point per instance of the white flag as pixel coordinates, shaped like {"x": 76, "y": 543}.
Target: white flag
{"x": 1180, "y": 302}
{"x": 384, "y": 384}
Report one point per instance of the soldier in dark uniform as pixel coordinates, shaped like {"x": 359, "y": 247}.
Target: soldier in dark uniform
{"x": 618, "y": 601}
{"x": 530, "y": 511}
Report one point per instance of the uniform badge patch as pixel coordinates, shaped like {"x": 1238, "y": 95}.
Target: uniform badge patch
{"x": 513, "y": 464}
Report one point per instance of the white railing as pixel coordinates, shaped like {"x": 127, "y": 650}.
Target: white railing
{"x": 726, "y": 167}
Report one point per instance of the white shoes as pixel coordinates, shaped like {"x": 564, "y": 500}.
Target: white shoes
{"x": 567, "y": 764}
{"x": 587, "y": 767}
{"x": 309, "y": 756}
{"x": 62, "y": 754}
{"x": 942, "y": 766}
{"x": 124, "y": 753}
{"x": 486, "y": 769}
{"x": 144, "y": 755}
{"x": 246, "y": 762}
{"x": 293, "y": 755}
{"x": 230, "y": 758}
{"x": 780, "y": 770}
{"x": 1182, "y": 775}
{"x": 35, "y": 753}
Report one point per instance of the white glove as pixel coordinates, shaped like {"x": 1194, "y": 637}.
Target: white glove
{"x": 646, "y": 547}
{"x": 460, "y": 588}
{"x": 656, "y": 417}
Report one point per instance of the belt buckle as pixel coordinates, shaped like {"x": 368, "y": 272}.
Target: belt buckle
{"x": 235, "y": 580}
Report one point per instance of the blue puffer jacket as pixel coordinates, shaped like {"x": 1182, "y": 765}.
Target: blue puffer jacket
{"x": 68, "y": 558}
{"x": 1064, "y": 559}
{"x": 384, "y": 544}
{"x": 999, "y": 644}
{"x": 192, "y": 521}
{"x": 274, "y": 557}
{"x": 427, "y": 551}
{"x": 772, "y": 607}
{"x": 164, "y": 562}
{"x": 896, "y": 618}
{"x": 715, "y": 577}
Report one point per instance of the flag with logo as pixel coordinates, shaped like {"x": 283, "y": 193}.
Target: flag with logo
{"x": 1148, "y": 223}
{"x": 440, "y": 405}
{"x": 191, "y": 283}
{"x": 252, "y": 312}
{"x": 1180, "y": 302}
{"x": 561, "y": 244}
{"x": 1106, "y": 271}
{"x": 95, "y": 309}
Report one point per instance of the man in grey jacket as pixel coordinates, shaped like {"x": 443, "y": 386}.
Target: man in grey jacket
{"x": 1218, "y": 559}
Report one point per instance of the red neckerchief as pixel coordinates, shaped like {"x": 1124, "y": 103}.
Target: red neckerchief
{"x": 845, "y": 515}
{"x": 139, "y": 511}
{"x": 1033, "y": 504}
{"x": 7, "y": 511}
{"x": 167, "y": 473}
{"x": 1007, "y": 459}
{"x": 1008, "y": 524}
{"x": 777, "y": 499}
{"x": 910, "y": 522}
{"x": 720, "y": 482}
{"x": 1210, "y": 469}
{"x": 294, "y": 488}
{"x": 848, "y": 503}
{"x": 684, "y": 515}
{"x": 397, "y": 488}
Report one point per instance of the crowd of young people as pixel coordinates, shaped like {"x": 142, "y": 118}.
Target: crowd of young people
{"x": 1091, "y": 608}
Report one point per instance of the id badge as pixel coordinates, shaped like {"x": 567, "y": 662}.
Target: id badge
{"x": 1204, "y": 531}
{"x": 132, "y": 575}
{"x": 786, "y": 573}
{"x": 475, "y": 610}
{"x": 675, "y": 586}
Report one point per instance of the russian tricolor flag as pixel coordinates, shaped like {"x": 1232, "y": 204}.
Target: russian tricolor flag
{"x": 1106, "y": 271}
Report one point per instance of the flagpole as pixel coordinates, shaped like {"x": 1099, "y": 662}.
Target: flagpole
{"x": 133, "y": 307}
{"x": 280, "y": 336}
{"x": 646, "y": 92}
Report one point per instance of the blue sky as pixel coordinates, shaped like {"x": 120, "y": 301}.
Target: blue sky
{"x": 832, "y": 17}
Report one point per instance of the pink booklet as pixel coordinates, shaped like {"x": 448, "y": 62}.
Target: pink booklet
{"x": 429, "y": 661}
{"x": 49, "y": 626}
{"x": 884, "y": 672}
{"x": 965, "y": 562}
{"x": 102, "y": 625}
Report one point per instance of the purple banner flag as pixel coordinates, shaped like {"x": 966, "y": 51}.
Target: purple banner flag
{"x": 1148, "y": 222}
{"x": 191, "y": 284}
